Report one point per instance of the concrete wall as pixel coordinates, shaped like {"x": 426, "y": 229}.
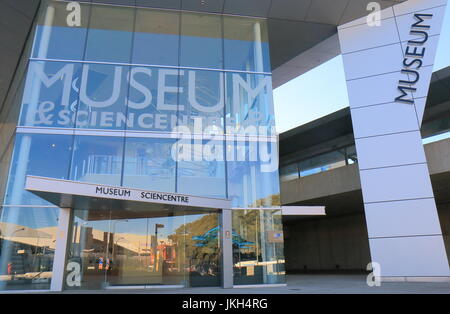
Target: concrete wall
{"x": 332, "y": 182}
{"x": 327, "y": 244}
{"x": 320, "y": 244}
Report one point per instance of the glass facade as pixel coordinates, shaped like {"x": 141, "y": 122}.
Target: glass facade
{"x": 125, "y": 97}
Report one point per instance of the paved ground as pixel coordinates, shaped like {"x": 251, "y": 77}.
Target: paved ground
{"x": 308, "y": 284}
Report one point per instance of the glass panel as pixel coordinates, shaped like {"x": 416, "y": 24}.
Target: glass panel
{"x": 253, "y": 179}
{"x": 156, "y": 37}
{"x": 246, "y": 44}
{"x": 202, "y": 258}
{"x": 149, "y": 164}
{"x": 88, "y": 257}
{"x": 250, "y": 103}
{"x": 110, "y": 34}
{"x": 97, "y": 159}
{"x": 201, "y": 40}
{"x": 27, "y": 247}
{"x": 39, "y": 155}
{"x": 143, "y": 247}
{"x": 55, "y": 38}
{"x": 258, "y": 247}
{"x": 153, "y": 99}
{"x": 201, "y": 168}
{"x": 202, "y": 101}
{"x": 103, "y": 93}
{"x": 143, "y": 251}
{"x": 51, "y": 94}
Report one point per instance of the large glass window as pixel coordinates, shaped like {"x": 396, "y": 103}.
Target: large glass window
{"x": 110, "y": 34}
{"x": 51, "y": 94}
{"x": 97, "y": 159}
{"x": 103, "y": 93}
{"x": 201, "y": 40}
{"x": 202, "y": 101}
{"x": 246, "y": 44}
{"x": 43, "y": 155}
{"x": 250, "y": 101}
{"x": 59, "y": 35}
{"x": 252, "y": 173}
{"x": 149, "y": 164}
{"x": 27, "y": 247}
{"x": 258, "y": 256}
{"x": 201, "y": 168}
{"x": 153, "y": 99}
{"x": 156, "y": 38}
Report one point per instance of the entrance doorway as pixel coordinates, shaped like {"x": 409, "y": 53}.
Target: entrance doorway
{"x": 163, "y": 246}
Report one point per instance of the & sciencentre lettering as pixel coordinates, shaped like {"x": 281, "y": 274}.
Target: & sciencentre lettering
{"x": 413, "y": 61}
{"x": 90, "y": 98}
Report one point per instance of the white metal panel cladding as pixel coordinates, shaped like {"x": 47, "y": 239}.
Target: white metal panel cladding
{"x": 404, "y": 232}
{"x": 68, "y": 188}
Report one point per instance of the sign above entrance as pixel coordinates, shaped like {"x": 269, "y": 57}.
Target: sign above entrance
{"x": 61, "y": 193}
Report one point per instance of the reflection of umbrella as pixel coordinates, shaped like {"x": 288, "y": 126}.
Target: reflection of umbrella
{"x": 13, "y": 230}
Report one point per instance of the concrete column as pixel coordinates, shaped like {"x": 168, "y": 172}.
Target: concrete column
{"x": 227, "y": 248}
{"x": 62, "y": 243}
{"x": 405, "y": 236}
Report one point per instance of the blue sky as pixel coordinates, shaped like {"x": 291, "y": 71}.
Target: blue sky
{"x": 322, "y": 90}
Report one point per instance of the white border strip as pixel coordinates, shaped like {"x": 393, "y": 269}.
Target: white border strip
{"x": 146, "y": 134}
{"x": 149, "y": 66}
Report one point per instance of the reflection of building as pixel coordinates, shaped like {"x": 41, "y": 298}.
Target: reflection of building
{"x": 117, "y": 128}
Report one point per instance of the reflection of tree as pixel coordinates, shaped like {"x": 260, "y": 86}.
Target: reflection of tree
{"x": 271, "y": 200}
{"x": 205, "y": 256}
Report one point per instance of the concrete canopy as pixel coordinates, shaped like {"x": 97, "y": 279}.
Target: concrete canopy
{"x": 302, "y": 33}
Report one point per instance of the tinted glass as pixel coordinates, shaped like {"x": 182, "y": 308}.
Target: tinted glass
{"x": 27, "y": 246}
{"x": 250, "y": 101}
{"x": 246, "y": 44}
{"x": 35, "y": 154}
{"x": 201, "y": 168}
{"x": 117, "y": 248}
{"x": 153, "y": 99}
{"x": 202, "y": 100}
{"x": 97, "y": 159}
{"x": 110, "y": 34}
{"x": 149, "y": 164}
{"x": 103, "y": 94}
{"x": 51, "y": 94}
{"x": 253, "y": 179}
{"x": 258, "y": 247}
{"x": 156, "y": 38}
{"x": 201, "y": 40}
{"x": 59, "y": 34}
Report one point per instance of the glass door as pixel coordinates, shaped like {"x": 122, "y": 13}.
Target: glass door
{"x": 145, "y": 251}
{"x": 143, "y": 248}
